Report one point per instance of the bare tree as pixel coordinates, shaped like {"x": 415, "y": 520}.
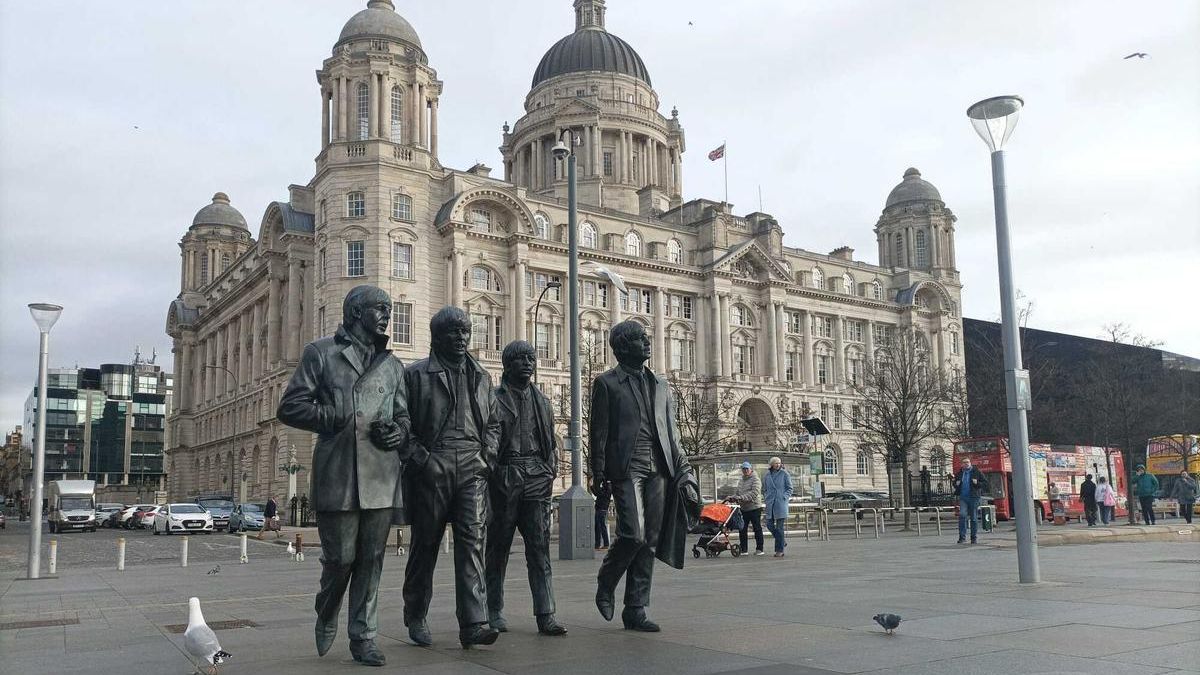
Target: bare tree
{"x": 905, "y": 401}
{"x": 705, "y": 412}
{"x": 593, "y": 360}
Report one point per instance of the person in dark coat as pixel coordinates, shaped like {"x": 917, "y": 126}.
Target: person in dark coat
{"x": 1087, "y": 493}
{"x": 600, "y": 526}
{"x": 350, "y": 391}
{"x": 455, "y": 433}
{"x": 969, "y": 485}
{"x": 635, "y": 448}
{"x": 521, "y": 488}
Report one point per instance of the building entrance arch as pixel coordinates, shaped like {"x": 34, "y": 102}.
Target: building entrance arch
{"x": 756, "y": 426}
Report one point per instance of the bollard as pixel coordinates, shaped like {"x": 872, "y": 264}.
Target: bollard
{"x": 120, "y": 554}
{"x": 299, "y": 548}
{"x": 446, "y": 541}
{"x": 53, "y": 556}
{"x": 244, "y": 559}
{"x": 183, "y": 546}
{"x": 399, "y": 541}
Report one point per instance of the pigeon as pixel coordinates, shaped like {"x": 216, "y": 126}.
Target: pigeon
{"x": 889, "y": 622}
{"x": 1140, "y": 55}
{"x": 215, "y": 570}
{"x": 200, "y": 641}
{"x": 599, "y": 270}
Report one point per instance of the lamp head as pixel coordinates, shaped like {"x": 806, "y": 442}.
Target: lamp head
{"x": 553, "y": 284}
{"x": 560, "y": 150}
{"x": 995, "y": 118}
{"x": 45, "y": 315}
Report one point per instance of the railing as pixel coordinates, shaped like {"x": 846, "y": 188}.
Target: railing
{"x": 356, "y": 150}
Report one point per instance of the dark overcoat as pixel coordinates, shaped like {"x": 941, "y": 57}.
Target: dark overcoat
{"x": 430, "y": 404}
{"x": 543, "y": 417}
{"x": 335, "y": 395}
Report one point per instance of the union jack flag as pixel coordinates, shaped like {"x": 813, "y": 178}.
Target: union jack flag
{"x": 717, "y": 154}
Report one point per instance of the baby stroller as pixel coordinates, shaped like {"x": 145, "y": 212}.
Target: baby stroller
{"x": 716, "y": 521}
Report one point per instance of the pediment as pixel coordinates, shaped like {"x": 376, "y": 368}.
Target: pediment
{"x": 750, "y": 261}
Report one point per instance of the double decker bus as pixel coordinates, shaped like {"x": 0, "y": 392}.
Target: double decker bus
{"x": 1058, "y": 469}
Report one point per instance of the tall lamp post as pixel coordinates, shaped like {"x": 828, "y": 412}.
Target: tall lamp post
{"x": 537, "y": 306}
{"x": 994, "y": 120}
{"x": 45, "y": 316}
{"x": 575, "y": 507}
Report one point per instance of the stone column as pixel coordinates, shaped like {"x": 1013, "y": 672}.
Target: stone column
{"x": 780, "y": 340}
{"x": 653, "y": 162}
{"x": 870, "y": 340}
{"x": 308, "y": 314}
{"x": 714, "y": 333}
{"x": 247, "y": 347}
{"x": 274, "y": 305}
{"x": 414, "y": 129}
{"x": 531, "y": 167}
{"x": 293, "y": 326}
{"x": 183, "y": 377}
{"x": 726, "y": 348}
{"x": 839, "y": 357}
{"x": 324, "y": 117}
{"x": 385, "y": 108}
{"x": 433, "y": 106}
{"x": 588, "y": 159}
{"x": 456, "y": 277}
{"x": 218, "y": 373}
{"x": 772, "y": 342}
{"x": 807, "y": 360}
{"x": 623, "y": 151}
{"x": 342, "y": 87}
{"x": 422, "y": 112}
{"x": 372, "y": 106}
{"x": 519, "y": 289}
{"x": 678, "y": 173}
{"x": 255, "y": 344}
{"x": 199, "y": 358}
{"x": 660, "y": 332}
{"x": 597, "y": 151}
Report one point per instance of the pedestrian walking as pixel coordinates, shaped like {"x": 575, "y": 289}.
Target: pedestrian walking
{"x": 969, "y": 485}
{"x": 777, "y": 490}
{"x": 749, "y": 498}
{"x": 1145, "y": 486}
{"x": 603, "y": 502}
{"x": 271, "y": 519}
{"x": 1087, "y": 493}
{"x": 1106, "y": 500}
{"x": 1184, "y": 491}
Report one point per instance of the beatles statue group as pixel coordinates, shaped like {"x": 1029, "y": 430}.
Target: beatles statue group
{"x": 435, "y": 444}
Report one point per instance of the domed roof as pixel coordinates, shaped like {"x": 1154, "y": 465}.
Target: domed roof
{"x": 380, "y": 19}
{"x": 591, "y": 49}
{"x": 912, "y": 189}
{"x": 219, "y": 212}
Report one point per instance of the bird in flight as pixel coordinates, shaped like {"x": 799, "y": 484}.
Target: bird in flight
{"x": 1140, "y": 55}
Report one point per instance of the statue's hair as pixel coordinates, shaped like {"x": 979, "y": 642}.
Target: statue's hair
{"x": 448, "y": 317}
{"x": 359, "y": 297}
{"x": 620, "y": 334}
{"x": 514, "y": 349}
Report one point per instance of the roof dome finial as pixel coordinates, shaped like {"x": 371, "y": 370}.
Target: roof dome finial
{"x": 589, "y": 14}
{"x": 381, "y": 4}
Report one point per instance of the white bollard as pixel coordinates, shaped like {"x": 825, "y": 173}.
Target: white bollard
{"x": 244, "y": 559}
{"x": 53, "y": 556}
{"x": 120, "y": 554}
{"x": 183, "y": 545}
{"x": 446, "y": 541}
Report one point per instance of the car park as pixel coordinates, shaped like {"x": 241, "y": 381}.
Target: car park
{"x": 220, "y": 508}
{"x": 182, "y": 517}
{"x": 247, "y": 516}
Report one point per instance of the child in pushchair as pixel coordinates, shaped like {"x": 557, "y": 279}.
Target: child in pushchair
{"x": 716, "y": 522}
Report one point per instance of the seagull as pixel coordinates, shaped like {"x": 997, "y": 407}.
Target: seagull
{"x": 599, "y": 270}
{"x": 889, "y": 622}
{"x": 215, "y": 570}
{"x": 1140, "y": 55}
{"x": 691, "y": 24}
{"x": 200, "y": 641}
{"x": 291, "y": 549}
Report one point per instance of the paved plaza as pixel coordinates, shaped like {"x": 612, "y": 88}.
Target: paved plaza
{"x": 1113, "y": 608}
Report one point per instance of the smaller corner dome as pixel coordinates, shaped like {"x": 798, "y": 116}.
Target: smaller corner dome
{"x": 913, "y": 189}
{"x": 219, "y": 212}
{"x": 380, "y": 20}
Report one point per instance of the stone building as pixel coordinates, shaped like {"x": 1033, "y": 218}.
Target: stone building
{"x": 723, "y": 298}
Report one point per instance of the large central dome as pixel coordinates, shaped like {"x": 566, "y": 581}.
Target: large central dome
{"x": 590, "y": 49}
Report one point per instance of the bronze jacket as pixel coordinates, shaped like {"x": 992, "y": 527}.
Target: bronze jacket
{"x": 613, "y": 425}
{"x": 336, "y": 396}
{"x": 429, "y": 401}
{"x": 509, "y": 423}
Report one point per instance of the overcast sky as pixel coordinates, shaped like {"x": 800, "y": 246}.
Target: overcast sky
{"x": 119, "y": 120}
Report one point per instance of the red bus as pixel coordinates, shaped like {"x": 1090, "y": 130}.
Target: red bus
{"x": 1054, "y": 468}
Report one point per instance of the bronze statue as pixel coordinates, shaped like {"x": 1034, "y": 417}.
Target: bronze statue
{"x": 521, "y": 488}
{"x": 635, "y": 448}
{"x": 350, "y": 391}
{"x": 452, "y": 447}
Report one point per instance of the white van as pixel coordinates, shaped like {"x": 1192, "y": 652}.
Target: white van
{"x": 72, "y": 505}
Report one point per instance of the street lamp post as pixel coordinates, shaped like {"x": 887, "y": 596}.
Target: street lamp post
{"x": 994, "y": 120}
{"x": 537, "y": 306}
{"x": 45, "y": 316}
{"x": 575, "y": 507}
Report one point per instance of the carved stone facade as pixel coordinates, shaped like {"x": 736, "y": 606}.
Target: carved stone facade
{"x": 720, "y": 294}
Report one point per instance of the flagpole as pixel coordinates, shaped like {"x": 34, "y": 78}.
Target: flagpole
{"x": 725, "y": 163}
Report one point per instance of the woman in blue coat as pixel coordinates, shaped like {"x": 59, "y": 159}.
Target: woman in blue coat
{"x": 777, "y": 490}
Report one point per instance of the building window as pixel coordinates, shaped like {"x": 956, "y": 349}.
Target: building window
{"x": 637, "y": 300}
{"x": 789, "y": 366}
{"x": 938, "y": 465}
{"x": 822, "y": 326}
{"x": 364, "y": 104}
{"x": 683, "y": 354}
{"x": 922, "y": 250}
{"x": 401, "y": 206}
{"x": 402, "y": 323}
{"x": 402, "y": 261}
{"x": 225, "y": 262}
{"x": 543, "y": 335}
{"x": 854, "y": 368}
{"x": 675, "y": 252}
{"x": 634, "y": 158}
{"x": 593, "y": 294}
{"x": 822, "y": 365}
{"x": 608, "y": 163}
{"x": 356, "y": 259}
{"x": 479, "y": 331}
{"x": 397, "y": 115}
{"x": 740, "y": 315}
{"x": 876, "y": 290}
{"x": 356, "y": 205}
{"x": 883, "y": 336}
{"x": 633, "y": 244}
{"x": 837, "y": 416}
{"x": 587, "y": 235}
{"x": 862, "y": 461}
{"x": 898, "y": 254}
{"x": 847, "y": 284}
{"x": 203, "y": 269}
{"x": 541, "y": 226}
{"x": 481, "y": 220}
{"x": 679, "y": 306}
{"x": 831, "y": 461}
{"x": 483, "y": 279}
{"x": 743, "y": 357}
{"x": 953, "y": 342}
{"x": 818, "y": 278}
{"x": 535, "y": 282}
{"x": 852, "y": 330}
{"x": 855, "y": 415}
{"x": 322, "y": 265}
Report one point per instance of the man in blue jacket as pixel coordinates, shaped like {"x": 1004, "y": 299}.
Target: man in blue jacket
{"x": 969, "y": 484}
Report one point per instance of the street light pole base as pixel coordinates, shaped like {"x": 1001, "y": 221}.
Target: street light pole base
{"x": 576, "y": 517}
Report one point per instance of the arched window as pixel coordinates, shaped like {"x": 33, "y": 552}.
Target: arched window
{"x": 831, "y": 461}
{"x": 848, "y": 284}
{"x": 876, "y": 290}
{"x": 898, "y": 252}
{"x": 922, "y": 250}
{"x": 633, "y": 244}
{"x": 203, "y": 268}
{"x": 541, "y": 226}
{"x": 397, "y": 115}
{"x": 938, "y": 466}
{"x": 483, "y": 279}
{"x": 364, "y": 105}
{"x": 587, "y": 235}
{"x": 674, "y": 251}
{"x": 480, "y": 219}
{"x": 401, "y": 206}
{"x": 862, "y": 462}
{"x": 818, "y": 278}
{"x": 740, "y": 315}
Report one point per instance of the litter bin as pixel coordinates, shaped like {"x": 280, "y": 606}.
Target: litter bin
{"x": 985, "y": 518}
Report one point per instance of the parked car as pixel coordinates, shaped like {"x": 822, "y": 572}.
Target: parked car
{"x": 2, "y": 523}
{"x": 145, "y": 519}
{"x": 105, "y": 511}
{"x": 127, "y": 519}
{"x": 220, "y": 509}
{"x": 247, "y": 516}
{"x": 855, "y": 500}
{"x": 183, "y": 517}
